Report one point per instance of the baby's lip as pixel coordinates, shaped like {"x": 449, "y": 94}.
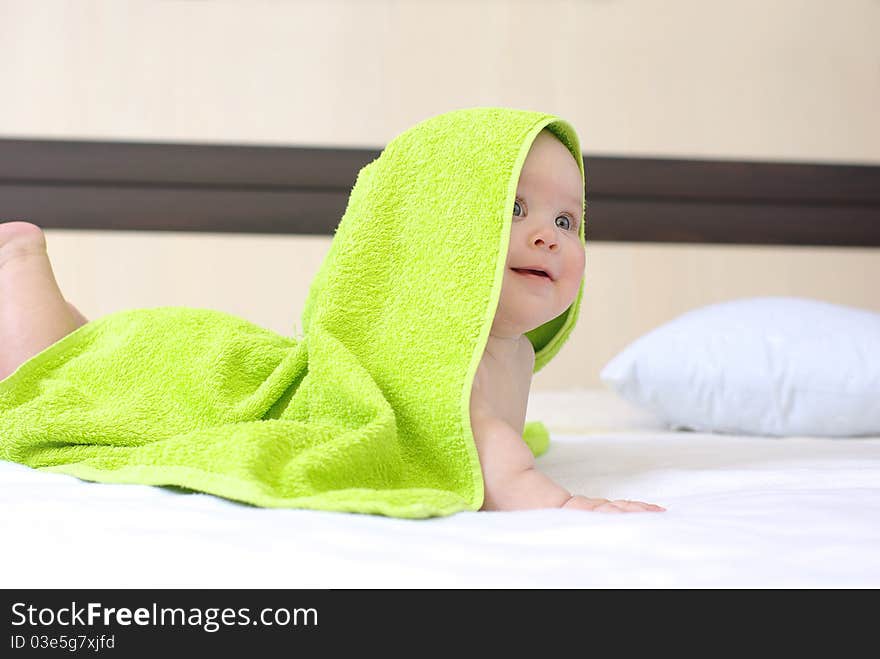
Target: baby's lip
{"x": 541, "y": 268}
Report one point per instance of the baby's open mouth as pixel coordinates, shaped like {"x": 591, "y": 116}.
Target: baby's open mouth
{"x": 531, "y": 273}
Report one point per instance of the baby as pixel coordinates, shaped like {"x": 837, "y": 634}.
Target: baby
{"x": 543, "y": 237}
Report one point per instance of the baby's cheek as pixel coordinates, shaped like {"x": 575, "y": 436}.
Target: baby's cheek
{"x": 580, "y": 258}
{"x": 575, "y": 261}
{"x": 571, "y": 289}
{"x": 574, "y": 275}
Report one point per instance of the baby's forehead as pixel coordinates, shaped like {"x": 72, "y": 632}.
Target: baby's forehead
{"x": 550, "y": 165}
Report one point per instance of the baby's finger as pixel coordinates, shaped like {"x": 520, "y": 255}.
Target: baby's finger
{"x": 609, "y": 507}
{"x": 637, "y": 506}
{"x": 627, "y": 505}
{"x": 650, "y": 506}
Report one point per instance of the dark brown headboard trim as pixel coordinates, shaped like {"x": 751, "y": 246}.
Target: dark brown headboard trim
{"x": 304, "y": 190}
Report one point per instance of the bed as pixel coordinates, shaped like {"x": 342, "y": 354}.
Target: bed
{"x": 742, "y": 511}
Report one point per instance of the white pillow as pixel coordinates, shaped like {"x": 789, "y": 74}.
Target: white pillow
{"x": 760, "y": 366}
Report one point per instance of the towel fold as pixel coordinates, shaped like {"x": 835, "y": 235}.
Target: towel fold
{"x": 368, "y": 411}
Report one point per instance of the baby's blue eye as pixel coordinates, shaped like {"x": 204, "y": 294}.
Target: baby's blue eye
{"x": 518, "y": 210}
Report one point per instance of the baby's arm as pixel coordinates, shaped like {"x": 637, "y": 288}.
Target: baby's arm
{"x": 511, "y": 481}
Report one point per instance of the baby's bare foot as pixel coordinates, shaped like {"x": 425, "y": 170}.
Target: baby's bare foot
{"x": 33, "y": 312}
{"x": 18, "y": 239}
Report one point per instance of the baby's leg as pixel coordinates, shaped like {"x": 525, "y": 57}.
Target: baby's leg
{"x": 33, "y": 313}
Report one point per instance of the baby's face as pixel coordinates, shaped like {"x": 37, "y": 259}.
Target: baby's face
{"x": 543, "y": 235}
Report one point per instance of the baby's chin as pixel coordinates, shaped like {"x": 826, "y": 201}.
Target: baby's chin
{"x": 526, "y": 321}
{"x": 524, "y": 314}
{"x": 537, "y": 314}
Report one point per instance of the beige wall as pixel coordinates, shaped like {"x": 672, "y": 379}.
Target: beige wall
{"x": 784, "y": 80}
{"x": 787, "y": 79}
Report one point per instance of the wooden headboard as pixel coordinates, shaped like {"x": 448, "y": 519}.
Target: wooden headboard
{"x": 304, "y": 190}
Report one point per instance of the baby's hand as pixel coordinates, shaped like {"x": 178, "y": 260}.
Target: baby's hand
{"x": 605, "y": 506}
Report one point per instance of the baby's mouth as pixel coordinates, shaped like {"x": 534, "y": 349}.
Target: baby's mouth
{"x": 532, "y": 274}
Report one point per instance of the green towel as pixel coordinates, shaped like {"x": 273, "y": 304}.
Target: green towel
{"x": 368, "y": 411}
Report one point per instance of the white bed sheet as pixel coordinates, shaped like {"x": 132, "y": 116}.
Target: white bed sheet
{"x": 742, "y": 512}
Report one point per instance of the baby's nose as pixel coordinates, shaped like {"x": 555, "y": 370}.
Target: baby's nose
{"x": 550, "y": 241}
